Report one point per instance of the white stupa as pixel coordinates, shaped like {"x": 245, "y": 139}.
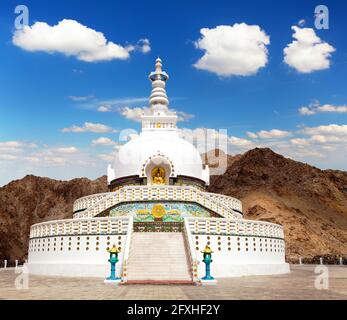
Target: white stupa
{"x": 158, "y": 214}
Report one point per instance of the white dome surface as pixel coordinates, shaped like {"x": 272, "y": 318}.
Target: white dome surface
{"x": 135, "y": 155}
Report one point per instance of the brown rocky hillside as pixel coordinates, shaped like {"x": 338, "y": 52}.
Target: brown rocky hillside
{"x": 310, "y": 203}
{"x": 36, "y": 199}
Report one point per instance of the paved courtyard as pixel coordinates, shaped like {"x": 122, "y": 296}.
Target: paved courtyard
{"x": 299, "y": 284}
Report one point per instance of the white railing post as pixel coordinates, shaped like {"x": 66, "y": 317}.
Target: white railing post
{"x": 127, "y": 249}
{"x": 5, "y": 264}
{"x": 16, "y": 264}
{"x": 192, "y": 254}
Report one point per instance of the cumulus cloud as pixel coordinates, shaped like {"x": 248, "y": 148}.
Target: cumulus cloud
{"x": 11, "y": 144}
{"x": 307, "y": 53}
{"x": 105, "y": 108}
{"x": 8, "y": 157}
{"x": 331, "y": 129}
{"x": 328, "y": 137}
{"x": 66, "y": 150}
{"x": 107, "y": 157}
{"x": 103, "y": 141}
{"x": 315, "y": 108}
{"x": 240, "y": 142}
{"x": 71, "y": 38}
{"x": 89, "y": 127}
{"x": 299, "y": 142}
{"x": 134, "y": 113}
{"x": 9, "y": 148}
{"x": 237, "y": 50}
{"x": 143, "y": 45}
{"x": 271, "y": 134}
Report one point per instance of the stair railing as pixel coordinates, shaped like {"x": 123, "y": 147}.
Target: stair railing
{"x": 191, "y": 251}
{"x": 127, "y": 249}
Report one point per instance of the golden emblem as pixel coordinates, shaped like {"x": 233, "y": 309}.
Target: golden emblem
{"x": 158, "y": 211}
{"x": 158, "y": 175}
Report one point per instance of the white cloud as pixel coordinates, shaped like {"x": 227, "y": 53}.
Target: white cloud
{"x": 307, "y": 53}
{"x": 302, "y": 22}
{"x": 14, "y": 147}
{"x": 71, "y": 38}
{"x": 105, "y": 108}
{"x": 240, "y": 142}
{"x": 90, "y": 127}
{"x": 183, "y": 116}
{"x": 238, "y": 50}
{"x": 11, "y": 144}
{"x": 134, "y": 113}
{"x": 103, "y": 141}
{"x": 109, "y": 158}
{"x": 252, "y": 135}
{"x": 326, "y": 108}
{"x": 66, "y": 150}
{"x": 306, "y": 111}
{"x": 299, "y": 142}
{"x": 327, "y": 135}
{"x": 271, "y": 134}
{"x": 143, "y": 45}
{"x": 331, "y": 129}
{"x": 8, "y": 157}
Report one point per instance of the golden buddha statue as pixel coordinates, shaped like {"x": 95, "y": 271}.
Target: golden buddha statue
{"x": 158, "y": 176}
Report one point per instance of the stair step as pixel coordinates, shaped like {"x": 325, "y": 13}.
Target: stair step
{"x": 156, "y": 256}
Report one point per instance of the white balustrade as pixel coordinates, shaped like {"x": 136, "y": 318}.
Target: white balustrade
{"x": 84, "y": 226}
{"x": 220, "y": 204}
{"x": 235, "y": 227}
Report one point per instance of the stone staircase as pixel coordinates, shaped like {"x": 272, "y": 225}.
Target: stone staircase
{"x": 158, "y": 257}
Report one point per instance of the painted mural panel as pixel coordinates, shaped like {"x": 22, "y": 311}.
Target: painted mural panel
{"x": 164, "y": 211}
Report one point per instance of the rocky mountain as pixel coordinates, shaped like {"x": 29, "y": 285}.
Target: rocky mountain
{"x": 310, "y": 203}
{"x": 36, "y": 199}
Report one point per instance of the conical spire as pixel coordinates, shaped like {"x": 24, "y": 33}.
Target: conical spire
{"x": 158, "y": 100}
{"x": 159, "y": 117}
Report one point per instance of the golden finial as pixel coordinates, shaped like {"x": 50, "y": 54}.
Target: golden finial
{"x": 114, "y": 249}
{"x": 207, "y": 250}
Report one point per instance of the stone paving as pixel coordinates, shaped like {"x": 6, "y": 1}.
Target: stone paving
{"x": 299, "y": 284}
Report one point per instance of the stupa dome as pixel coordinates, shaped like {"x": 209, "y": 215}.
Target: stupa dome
{"x": 158, "y": 155}
{"x": 151, "y": 149}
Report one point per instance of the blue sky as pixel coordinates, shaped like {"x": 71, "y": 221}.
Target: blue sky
{"x": 250, "y": 90}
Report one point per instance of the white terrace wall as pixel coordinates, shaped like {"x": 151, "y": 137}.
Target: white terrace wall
{"x": 239, "y": 247}
{"x": 76, "y": 247}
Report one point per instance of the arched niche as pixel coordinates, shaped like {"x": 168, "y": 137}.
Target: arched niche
{"x": 158, "y": 166}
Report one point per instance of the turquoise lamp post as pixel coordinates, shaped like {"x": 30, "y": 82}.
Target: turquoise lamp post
{"x": 113, "y": 260}
{"x": 207, "y": 260}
